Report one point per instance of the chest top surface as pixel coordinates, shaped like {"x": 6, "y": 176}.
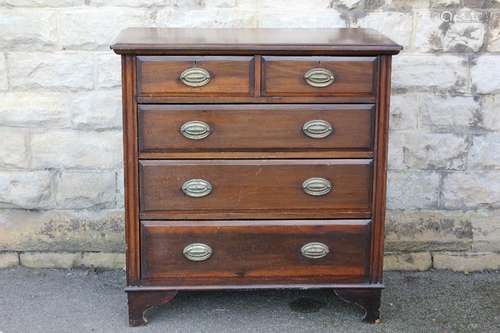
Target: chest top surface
{"x": 180, "y": 40}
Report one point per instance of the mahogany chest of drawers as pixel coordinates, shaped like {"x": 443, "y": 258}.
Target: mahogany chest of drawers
{"x": 254, "y": 158}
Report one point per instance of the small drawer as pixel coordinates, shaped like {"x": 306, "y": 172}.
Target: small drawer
{"x": 195, "y": 76}
{"x": 220, "y": 189}
{"x": 319, "y": 76}
{"x": 187, "y": 253}
{"x": 171, "y": 128}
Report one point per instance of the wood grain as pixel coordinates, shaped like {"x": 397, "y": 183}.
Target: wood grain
{"x": 254, "y": 127}
{"x": 255, "y": 188}
{"x": 230, "y": 76}
{"x": 265, "y": 252}
{"x": 284, "y": 76}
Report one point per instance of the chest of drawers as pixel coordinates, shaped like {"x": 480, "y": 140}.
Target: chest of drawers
{"x": 254, "y": 158}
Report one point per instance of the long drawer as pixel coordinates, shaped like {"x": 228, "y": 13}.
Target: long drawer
{"x": 171, "y": 128}
{"x": 246, "y": 252}
{"x": 255, "y": 189}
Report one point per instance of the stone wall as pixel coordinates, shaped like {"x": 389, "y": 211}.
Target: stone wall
{"x": 61, "y": 194}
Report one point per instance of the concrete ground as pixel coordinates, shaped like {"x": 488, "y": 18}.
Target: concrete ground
{"x": 88, "y": 301}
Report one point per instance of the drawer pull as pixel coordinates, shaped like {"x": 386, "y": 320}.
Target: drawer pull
{"x": 195, "y": 130}
{"x": 195, "y": 77}
{"x": 319, "y": 77}
{"x": 196, "y": 188}
{"x": 317, "y": 129}
{"x": 314, "y": 250}
{"x": 317, "y": 186}
{"x": 197, "y": 252}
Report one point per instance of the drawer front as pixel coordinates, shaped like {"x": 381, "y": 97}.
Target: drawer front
{"x": 195, "y": 76}
{"x": 212, "y": 189}
{"x": 246, "y": 252}
{"x": 319, "y": 76}
{"x": 170, "y": 128}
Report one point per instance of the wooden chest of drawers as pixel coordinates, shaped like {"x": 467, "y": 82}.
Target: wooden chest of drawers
{"x": 254, "y": 158}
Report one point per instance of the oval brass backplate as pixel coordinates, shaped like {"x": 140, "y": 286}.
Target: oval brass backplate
{"x": 197, "y": 252}
{"x": 317, "y": 129}
{"x": 319, "y": 77}
{"x": 317, "y": 186}
{"x": 195, "y": 77}
{"x": 196, "y": 188}
{"x": 314, "y": 250}
{"x": 195, "y": 130}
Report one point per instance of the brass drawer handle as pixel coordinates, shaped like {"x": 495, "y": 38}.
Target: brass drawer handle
{"x": 196, "y": 188}
{"x": 317, "y": 186}
{"x": 314, "y": 250}
{"x": 195, "y": 130}
{"x": 195, "y": 77}
{"x": 197, "y": 252}
{"x": 319, "y": 77}
{"x": 317, "y": 129}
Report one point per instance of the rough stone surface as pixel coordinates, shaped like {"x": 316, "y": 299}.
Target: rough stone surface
{"x": 472, "y": 189}
{"x": 13, "y": 150}
{"x": 103, "y": 260}
{"x": 61, "y": 70}
{"x": 76, "y": 149}
{"x": 484, "y": 74}
{"x": 49, "y": 259}
{"x": 8, "y": 259}
{"x": 410, "y": 190}
{"x": 3, "y": 73}
{"x": 62, "y": 230}
{"x": 408, "y": 261}
{"x": 420, "y": 71}
{"x": 424, "y": 230}
{"x": 61, "y": 177}
{"x": 22, "y": 189}
{"x": 89, "y": 189}
{"x": 467, "y": 262}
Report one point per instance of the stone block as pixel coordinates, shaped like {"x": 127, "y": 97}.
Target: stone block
{"x": 86, "y": 189}
{"x": 404, "y": 112}
{"x": 413, "y": 189}
{"x": 457, "y": 31}
{"x": 13, "y": 150}
{"x": 44, "y": 3}
{"x": 96, "y": 28}
{"x": 56, "y": 71}
{"x": 103, "y": 260}
{"x": 25, "y": 189}
{"x": 207, "y": 18}
{"x": 427, "y": 230}
{"x": 128, "y": 3}
{"x": 397, "y": 26}
{"x": 97, "y": 110}
{"x": 62, "y": 230}
{"x": 304, "y": 18}
{"x": 434, "y": 151}
{"x": 484, "y": 74}
{"x": 489, "y": 112}
{"x": 34, "y": 29}
{"x": 50, "y": 259}
{"x": 486, "y": 230}
{"x": 407, "y": 261}
{"x": 8, "y": 259}
{"x": 421, "y": 71}
{"x": 34, "y": 109}
{"x": 76, "y": 149}
{"x": 108, "y": 70}
{"x": 3, "y": 73}
{"x": 471, "y": 189}
{"x": 466, "y": 262}
{"x": 485, "y": 151}
{"x": 494, "y": 32}
{"x": 446, "y": 113}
